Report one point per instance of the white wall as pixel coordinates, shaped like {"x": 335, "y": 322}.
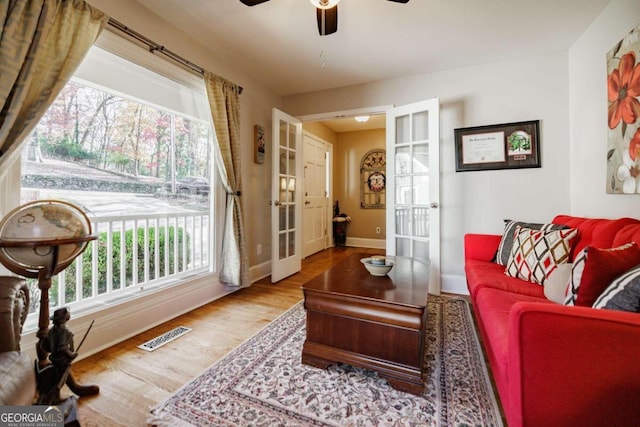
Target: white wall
{"x": 588, "y": 113}
{"x": 528, "y": 88}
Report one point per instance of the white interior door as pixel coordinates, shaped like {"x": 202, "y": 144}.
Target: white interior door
{"x": 286, "y": 200}
{"x": 315, "y": 195}
{"x": 413, "y": 184}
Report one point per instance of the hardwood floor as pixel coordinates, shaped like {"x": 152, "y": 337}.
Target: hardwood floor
{"x": 132, "y": 380}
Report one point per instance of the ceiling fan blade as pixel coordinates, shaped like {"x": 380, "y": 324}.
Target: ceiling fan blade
{"x": 327, "y": 20}
{"x": 400, "y": 1}
{"x": 252, "y": 2}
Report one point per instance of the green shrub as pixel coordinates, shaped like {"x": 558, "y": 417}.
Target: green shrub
{"x": 70, "y": 272}
{"x": 164, "y": 269}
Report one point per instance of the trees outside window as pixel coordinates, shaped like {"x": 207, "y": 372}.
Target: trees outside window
{"x": 143, "y": 173}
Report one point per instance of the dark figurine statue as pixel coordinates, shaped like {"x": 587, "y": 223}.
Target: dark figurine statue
{"x": 60, "y": 346}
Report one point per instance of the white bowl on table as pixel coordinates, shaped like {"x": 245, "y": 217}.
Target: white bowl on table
{"x": 376, "y": 267}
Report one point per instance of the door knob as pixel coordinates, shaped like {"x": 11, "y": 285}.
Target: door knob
{"x": 307, "y": 202}
{"x": 434, "y": 205}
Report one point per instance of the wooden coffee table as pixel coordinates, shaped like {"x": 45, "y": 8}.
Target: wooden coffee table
{"x": 373, "y": 322}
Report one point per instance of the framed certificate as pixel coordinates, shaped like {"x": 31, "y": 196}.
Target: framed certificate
{"x": 503, "y": 146}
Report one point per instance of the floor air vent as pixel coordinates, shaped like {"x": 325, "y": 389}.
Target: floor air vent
{"x": 164, "y": 338}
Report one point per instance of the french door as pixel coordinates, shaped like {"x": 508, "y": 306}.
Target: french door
{"x": 286, "y": 200}
{"x": 413, "y": 183}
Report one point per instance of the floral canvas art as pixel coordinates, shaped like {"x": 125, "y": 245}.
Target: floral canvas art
{"x": 623, "y": 92}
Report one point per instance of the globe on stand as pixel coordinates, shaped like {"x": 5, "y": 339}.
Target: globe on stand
{"x": 38, "y": 240}
{"x": 45, "y": 235}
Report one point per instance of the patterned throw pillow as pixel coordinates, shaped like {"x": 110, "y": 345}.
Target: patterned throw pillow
{"x": 506, "y": 243}
{"x": 594, "y": 269}
{"x": 623, "y": 294}
{"x": 537, "y": 253}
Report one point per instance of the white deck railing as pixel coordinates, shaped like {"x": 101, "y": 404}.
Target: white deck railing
{"x": 168, "y": 248}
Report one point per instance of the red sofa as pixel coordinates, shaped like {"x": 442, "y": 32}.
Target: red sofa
{"x": 556, "y": 365}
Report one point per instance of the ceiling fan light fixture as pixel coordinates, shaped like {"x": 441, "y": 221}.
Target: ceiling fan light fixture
{"x": 361, "y": 119}
{"x": 324, "y": 4}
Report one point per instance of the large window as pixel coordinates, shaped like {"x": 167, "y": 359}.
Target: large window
{"x": 133, "y": 148}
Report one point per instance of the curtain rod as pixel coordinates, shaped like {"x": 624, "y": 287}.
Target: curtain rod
{"x": 155, "y": 47}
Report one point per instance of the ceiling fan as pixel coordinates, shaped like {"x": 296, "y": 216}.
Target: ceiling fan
{"x": 327, "y": 13}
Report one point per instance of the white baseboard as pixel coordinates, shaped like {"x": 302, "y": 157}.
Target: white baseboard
{"x": 359, "y": 242}
{"x": 454, "y": 284}
{"x": 260, "y": 271}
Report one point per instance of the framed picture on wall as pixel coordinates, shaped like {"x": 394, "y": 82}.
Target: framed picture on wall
{"x": 502, "y": 146}
{"x": 259, "y": 144}
{"x": 373, "y": 182}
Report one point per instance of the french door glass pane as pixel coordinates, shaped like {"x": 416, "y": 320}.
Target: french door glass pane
{"x": 421, "y": 158}
{"x": 292, "y": 137}
{"x": 291, "y": 189}
{"x": 282, "y": 214}
{"x": 292, "y": 242}
{"x": 421, "y": 190}
{"x": 403, "y": 160}
{"x": 421, "y": 222}
{"x": 292, "y": 163}
{"x": 421, "y": 249}
{"x": 284, "y": 126}
{"x": 403, "y": 247}
{"x": 292, "y": 217}
{"x": 283, "y": 161}
{"x": 282, "y": 191}
{"x": 403, "y": 190}
{"x": 402, "y": 129}
{"x": 282, "y": 246}
{"x": 421, "y": 126}
{"x": 403, "y": 221}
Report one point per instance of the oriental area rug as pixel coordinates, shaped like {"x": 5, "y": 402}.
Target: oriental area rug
{"x": 263, "y": 383}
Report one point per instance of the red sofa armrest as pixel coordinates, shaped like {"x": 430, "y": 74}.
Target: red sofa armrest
{"x": 481, "y": 247}
{"x": 570, "y": 366}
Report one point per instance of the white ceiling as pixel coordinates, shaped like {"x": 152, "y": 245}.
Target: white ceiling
{"x": 277, "y": 42}
{"x": 349, "y": 124}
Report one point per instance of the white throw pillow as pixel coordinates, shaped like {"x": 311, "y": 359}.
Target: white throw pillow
{"x": 555, "y": 287}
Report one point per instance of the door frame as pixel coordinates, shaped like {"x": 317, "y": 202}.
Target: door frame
{"x": 331, "y": 115}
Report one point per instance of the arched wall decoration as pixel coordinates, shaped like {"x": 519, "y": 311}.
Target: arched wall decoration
{"x": 373, "y": 185}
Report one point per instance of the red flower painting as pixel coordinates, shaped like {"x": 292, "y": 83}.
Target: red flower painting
{"x": 623, "y": 115}
{"x": 623, "y": 87}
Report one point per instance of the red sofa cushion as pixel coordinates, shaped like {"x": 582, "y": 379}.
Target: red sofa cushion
{"x": 572, "y": 366}
{"x": 494, "y": 306}
{"x": 596, "y": 232}
{"x": 628, "y": 233}
{"x": 482, "y": 274}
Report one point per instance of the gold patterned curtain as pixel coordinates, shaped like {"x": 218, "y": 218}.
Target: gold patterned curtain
{"x": 224, "y": 100}
{"x": 42, "y": 42}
